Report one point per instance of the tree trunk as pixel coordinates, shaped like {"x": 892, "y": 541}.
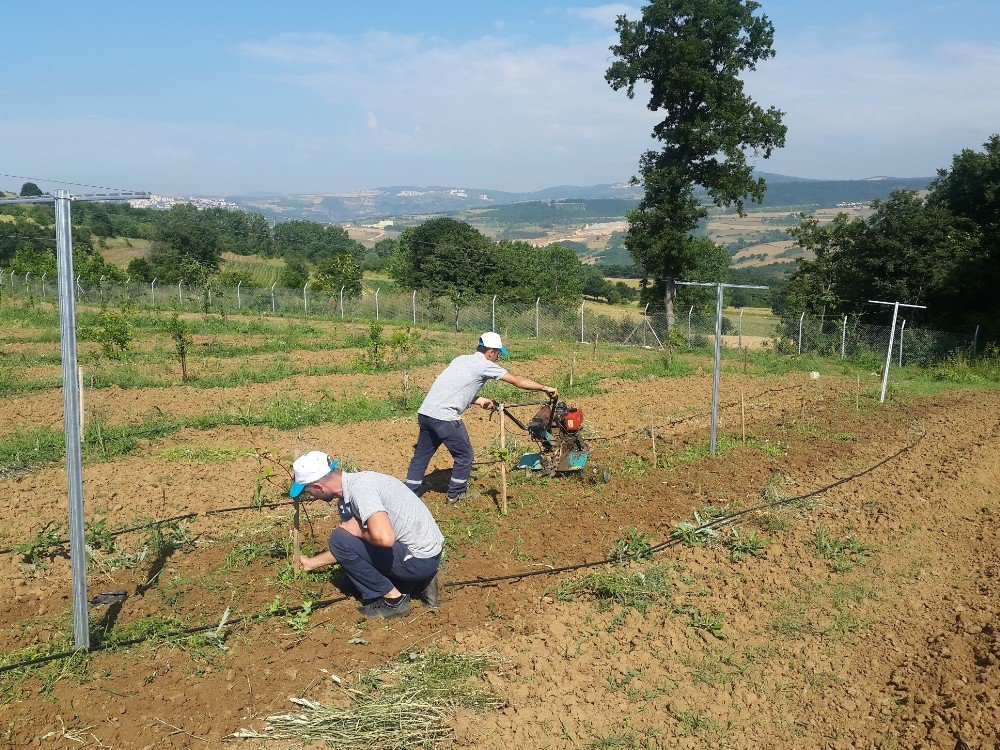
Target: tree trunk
{"x": 669, "y": 296}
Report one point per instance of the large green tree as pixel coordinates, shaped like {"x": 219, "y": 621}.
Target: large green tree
{"x": 691, "y": 54}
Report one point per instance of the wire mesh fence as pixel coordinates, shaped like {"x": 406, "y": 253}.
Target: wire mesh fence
{"x": 584, "y": 322}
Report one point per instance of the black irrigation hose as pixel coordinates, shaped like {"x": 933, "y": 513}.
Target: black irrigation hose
{"x": 673, "y": 541}
{"x": 160, "y": 522}
{"x": 220, "y": 511}
{"x": 322, "y": 604}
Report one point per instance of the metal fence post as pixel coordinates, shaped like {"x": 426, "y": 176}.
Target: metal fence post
{"x": 801, "y": 318}
{"x": 239, "y": 298}
{"x": 739, "y": 330}
{"x": 413, "y": 305}
{"x": 100, "y": 284}
{"x": 843, "y": 338}
{"x": 342, "y": 302}
{"x": 71, "y": 406}
{"x": 377, "y": 290}
{"x": 690, "y": 313}
{"x": 305, "y": 299}
{"x": 26, "y": 280}
{"x": 537, "y": 301}
{"x": 79, "y": 288}
{"x": 901, "y": 329}
{"x": 493, "y": 314}
{"x": 975, "y": 341}
{"x": 180, "y": 293}
{"x": 712, "y": 440}
{"x": 152, "y": 290}
{"x": 582, "y": 304}
{"x": 273, "y": 308}
{"x": 43, "y": 283}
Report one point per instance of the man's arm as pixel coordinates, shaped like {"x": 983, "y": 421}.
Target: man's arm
{"x": 527, "y": 384}
{"x": 379, "y": 531}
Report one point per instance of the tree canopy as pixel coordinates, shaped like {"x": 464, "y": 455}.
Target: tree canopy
{"x": 942, "y": 250}
{"x": 691, "y": 54}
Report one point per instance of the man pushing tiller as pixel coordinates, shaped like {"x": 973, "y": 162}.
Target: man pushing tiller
{"x": 440, "y": 414}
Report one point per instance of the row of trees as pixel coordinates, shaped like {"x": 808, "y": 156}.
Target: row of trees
{"x": 941, "y": 250}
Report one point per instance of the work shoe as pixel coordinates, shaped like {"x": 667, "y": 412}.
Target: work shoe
{"x": 381, "y": 608}
{"x": 430, "y": 592}
{"x": 452, "y": 499}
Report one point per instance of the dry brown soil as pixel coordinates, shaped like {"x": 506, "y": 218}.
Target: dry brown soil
{"x": 898, "y": 649}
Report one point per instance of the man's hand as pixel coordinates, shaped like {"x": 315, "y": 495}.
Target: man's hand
{"x": 552, "y": 392}
{"x": 487, "y": 403}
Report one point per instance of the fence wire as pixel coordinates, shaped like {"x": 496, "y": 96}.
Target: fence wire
{"x": 582, "y": 322}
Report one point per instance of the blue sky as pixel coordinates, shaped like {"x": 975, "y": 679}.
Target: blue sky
{"x": 313, "y": 96}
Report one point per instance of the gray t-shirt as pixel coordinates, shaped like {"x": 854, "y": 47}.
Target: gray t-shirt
{"x": 458, "y": 386}
{"x": 368, "y": 492}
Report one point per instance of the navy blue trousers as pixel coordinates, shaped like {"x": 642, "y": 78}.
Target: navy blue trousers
{"x": 454, "y": 436}
{"x": 375, "y": 570}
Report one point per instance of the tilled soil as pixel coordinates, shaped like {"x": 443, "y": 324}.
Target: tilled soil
{"x": 897, "y": 649}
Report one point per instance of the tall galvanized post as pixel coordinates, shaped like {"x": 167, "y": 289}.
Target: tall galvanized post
{"x": 152, "y": 291}
{"x": 305, "y": 299}
{"x": 239, "y": 298}
{"x": 582, "y": 304}
{"x": 180, "y": 293}
{"x": 715, "y": 370}
{"x": 537, "y": 301}
{"x": 901, "y": 329}
{"x": 739, "y": 330}
{"x": 975, "y": 336}
{"x": 843, "y": 338}
{"x": 273, "y": 306}
{"x": 802, "y": 317}
{"x": 888, "y": 355}
{"x": 413, "y": 305}
{"x": 379, "y": 289}
{"x": 71, "y": 416}
{"x": 690, "y": 313}
{"x": 342, "y": 302}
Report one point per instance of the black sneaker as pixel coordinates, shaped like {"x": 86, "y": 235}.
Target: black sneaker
{"x": 452, "y": 499}
{"x": 430, "y": 592}
{"x": 381, "y": 608}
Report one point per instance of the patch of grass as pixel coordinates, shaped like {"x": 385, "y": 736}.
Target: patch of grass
{"x": 712, "y": 622}
{"x": 399, "y": 706}
{"x": 36, "y": 549}
{"x": 244, "y": 555}
{"x": 656, "y": 367}
{"x": 744, "y": 543}
{"x": 694, "y": 533}
{"x": 634, "y": 545}
{"x": 204, "y": 454}
{"x": 638, "y": 590}
{"x": 841, "y": 552}
{"x": 832, "y": 610}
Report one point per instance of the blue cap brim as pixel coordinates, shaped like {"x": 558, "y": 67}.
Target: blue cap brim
{"x": 504, "y": 352}
{"x": 297, "y": 488}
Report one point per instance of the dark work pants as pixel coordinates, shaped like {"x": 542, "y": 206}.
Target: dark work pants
{"x": 434, "y": 432}
{"x": 375, "y": 570}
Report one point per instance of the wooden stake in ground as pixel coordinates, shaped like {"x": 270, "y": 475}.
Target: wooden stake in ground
{"x": 743, "y": 416}
{"x": 503, "y": 463}
{"x": 652, "y": 432}
{"x": 295, "y": 538}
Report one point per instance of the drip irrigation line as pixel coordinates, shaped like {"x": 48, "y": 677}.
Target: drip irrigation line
{"x": 322, "y": 604}
{"x": 236, "y": 508}
{"x": 159, "y": 522}
{"x": 681, "y": 420}
{"x": 673, "y": 541}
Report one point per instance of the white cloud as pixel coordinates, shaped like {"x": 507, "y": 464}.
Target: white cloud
{"x": 606, "y": 15}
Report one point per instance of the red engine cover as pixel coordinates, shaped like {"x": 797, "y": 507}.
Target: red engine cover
{"x": 573, "y": 419}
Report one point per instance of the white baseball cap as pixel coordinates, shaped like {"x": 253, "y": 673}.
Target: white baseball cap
{"x": 308, "y": 468}
{"x": 492, "y": 340}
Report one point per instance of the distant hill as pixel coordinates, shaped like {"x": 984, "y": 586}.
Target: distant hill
{"x": 410, "y": 200}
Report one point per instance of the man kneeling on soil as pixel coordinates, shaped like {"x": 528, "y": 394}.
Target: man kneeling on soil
{"x": 387, "y": 543}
